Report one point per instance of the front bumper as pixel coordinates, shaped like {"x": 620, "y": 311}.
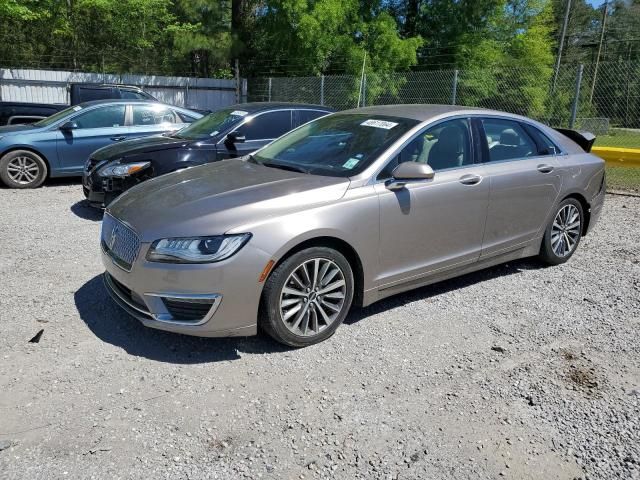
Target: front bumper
{"x": 101, "y": 191}
{"x": 154, "y": 293}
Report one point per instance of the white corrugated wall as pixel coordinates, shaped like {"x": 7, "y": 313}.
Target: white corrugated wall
{"x": 50, "y": 86}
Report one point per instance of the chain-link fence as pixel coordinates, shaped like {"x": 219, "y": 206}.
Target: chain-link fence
{"x": 603, "y": 98}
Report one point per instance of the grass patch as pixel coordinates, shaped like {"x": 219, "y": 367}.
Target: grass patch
{"x": 619, "y": 138}
{"x": 623, "y": 178}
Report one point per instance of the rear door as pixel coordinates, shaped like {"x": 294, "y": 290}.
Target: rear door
{"x": 96, "y": 128}
{"x": 258, "y": 130}
{"x": 525, "y": 184}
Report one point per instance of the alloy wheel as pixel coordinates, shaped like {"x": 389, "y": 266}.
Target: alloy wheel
{"x": 23, "y": 170}
{"x": 565, "y": 231}
{"x": 313, "y": 296}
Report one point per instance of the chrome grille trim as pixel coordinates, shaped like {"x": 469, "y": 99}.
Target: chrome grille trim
{"x": 119, "y": 241}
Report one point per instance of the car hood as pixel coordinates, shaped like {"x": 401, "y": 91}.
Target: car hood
{"x": 16, "y": 129}
{"x": 138, "y": 146}
{"x": 215, "y": 198}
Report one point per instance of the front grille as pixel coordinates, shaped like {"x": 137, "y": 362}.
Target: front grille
{"x": 187, "y": 309}
{"x": 119, "y": 241}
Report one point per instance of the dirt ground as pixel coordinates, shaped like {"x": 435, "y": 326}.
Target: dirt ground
{"x": 516, "y": 372}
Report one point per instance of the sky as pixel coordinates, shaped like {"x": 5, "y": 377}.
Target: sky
{"x": 595, "y": 3}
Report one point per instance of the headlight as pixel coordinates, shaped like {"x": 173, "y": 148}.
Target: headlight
{"x": 196, "y": 249}
{"x": 117, "y": 170}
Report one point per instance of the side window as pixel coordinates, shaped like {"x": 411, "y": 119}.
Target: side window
{"x": 102, "y": 117}
{"x": 145, "y": 115}
{"x": 267, "y": 126}
{"x": 445, "y": 145}
{"x": 507, "y": 140}
{"x": 300, "y": 117}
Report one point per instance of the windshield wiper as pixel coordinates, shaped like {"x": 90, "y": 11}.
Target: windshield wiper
{"x": 282, "y": 166}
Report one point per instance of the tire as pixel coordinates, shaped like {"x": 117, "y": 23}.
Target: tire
{"x": 305, "y": 318}
{"x": 22, "y": 169}
{"x": 562, "y": 235}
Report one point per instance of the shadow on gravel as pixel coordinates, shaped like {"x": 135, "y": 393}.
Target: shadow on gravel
{"x": 110, "y": 324}
{"x": 83, "y": 210}
{"x": 440, "y": 288}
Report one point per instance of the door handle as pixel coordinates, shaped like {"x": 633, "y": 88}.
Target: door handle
{"x": 470, "y": 179}
{"x": 118, "y": 139}
{"x": 544, "y": 168}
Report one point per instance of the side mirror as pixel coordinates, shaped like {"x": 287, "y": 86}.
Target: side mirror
{"x": 235, "y": 137}
{"x": 67, "y": 126}
{"x": 407, "y": 172}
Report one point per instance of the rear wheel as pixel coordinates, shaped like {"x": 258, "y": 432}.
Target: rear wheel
{"x": 22, "y": 169}
{"x": 563, "y": 234}
{"x": 307, "y": 297}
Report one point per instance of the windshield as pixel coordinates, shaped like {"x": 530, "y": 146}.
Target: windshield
{"x": 45, "y": 122}
{"x": 338, "y": 145}
{"x": 211, "y": 125}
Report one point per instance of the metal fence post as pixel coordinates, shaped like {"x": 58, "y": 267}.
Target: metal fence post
{"x": 269, "y": 97}
{"x": 576, "y": 98}
{"x": 454, "y": 87}
{"x": 364, "y": 90}
{"x": 321, "y": 89}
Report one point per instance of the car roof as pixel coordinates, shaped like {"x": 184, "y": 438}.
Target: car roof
{"x": 118, "y": 101}
{"x": 252, "y": 107}
{"x": 420, "y": 112}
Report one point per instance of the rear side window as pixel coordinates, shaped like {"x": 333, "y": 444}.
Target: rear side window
{"x": 267, "y": 126}
{"x": 102, "y": 117}
{"x": 184, "y": 118}
{"x": 300, "y": 117}
{"x": 545, "y": 145}
{"x": 507, "y": 140}
{"x": 145, "y": 115}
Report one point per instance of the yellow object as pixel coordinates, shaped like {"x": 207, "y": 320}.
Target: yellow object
{"x": 621, "y": 157}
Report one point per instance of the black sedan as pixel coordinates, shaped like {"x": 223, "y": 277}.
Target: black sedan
{"x": 230, "y": 132}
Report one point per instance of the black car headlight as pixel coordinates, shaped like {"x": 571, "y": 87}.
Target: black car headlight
{"x": 196, "y": 249}
{"x": 114, "y": 169}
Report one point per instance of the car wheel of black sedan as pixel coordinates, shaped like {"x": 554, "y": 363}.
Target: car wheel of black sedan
{"x": 563, "y": 234}
{"x": 22, "y": 169}
{"x": 307, "y": 297}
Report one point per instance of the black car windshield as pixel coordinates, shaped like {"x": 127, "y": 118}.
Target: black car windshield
{"x": 45, "y": 122}
{"x": 211, "y": 125}
{"x": 338, "y": 145}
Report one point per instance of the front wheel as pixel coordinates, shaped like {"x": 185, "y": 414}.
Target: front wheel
{"x": 22, "y": 169}
{"x": 563, "y": 234}
{"x": 307, "y": 297}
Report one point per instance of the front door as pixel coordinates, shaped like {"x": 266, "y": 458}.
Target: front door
{"x": 433, "y": 225}
{"x": 96, "y": 128}
{"x": 525, "y": 184}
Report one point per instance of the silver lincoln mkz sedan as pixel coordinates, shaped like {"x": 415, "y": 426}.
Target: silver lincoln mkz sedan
{"x": 349, "y": 208}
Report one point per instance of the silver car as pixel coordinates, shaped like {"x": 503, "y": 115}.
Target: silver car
{"x": 347, "y": 209}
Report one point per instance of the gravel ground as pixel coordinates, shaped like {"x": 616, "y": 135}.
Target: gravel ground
{"x": 514, "y": 372}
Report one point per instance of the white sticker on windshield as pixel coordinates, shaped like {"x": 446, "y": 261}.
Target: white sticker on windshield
{"x": 76, "y": 108}
{"x": 379, "y": 124}
{"x": 239, "y": 113}
{"x": 352, "y": 162}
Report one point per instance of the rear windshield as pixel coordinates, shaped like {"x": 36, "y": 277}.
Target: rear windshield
{"x": 211, "y": 125}
{"x": 338, "y": 145}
